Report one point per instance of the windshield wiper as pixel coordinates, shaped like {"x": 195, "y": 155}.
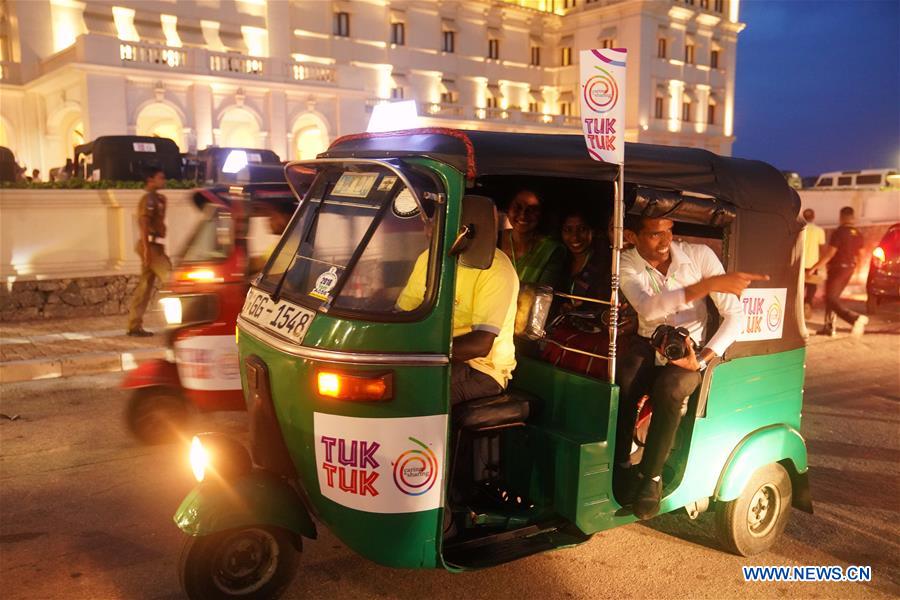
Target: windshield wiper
{"x": 304, "y": 239}
{"x": 357, "y": 254}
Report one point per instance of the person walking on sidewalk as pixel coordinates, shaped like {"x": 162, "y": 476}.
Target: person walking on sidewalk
{"x": 844, "y": 251}
{"x": 155, "y": 265}
{"x": 813, "y": 242}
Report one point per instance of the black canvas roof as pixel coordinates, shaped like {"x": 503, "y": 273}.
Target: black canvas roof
{"x": 747, "y": 184}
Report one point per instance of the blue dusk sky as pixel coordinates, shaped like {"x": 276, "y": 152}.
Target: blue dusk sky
{"x": 818, "y": 84}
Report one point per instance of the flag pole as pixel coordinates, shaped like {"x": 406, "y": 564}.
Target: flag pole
{"x": 618, "y": 219}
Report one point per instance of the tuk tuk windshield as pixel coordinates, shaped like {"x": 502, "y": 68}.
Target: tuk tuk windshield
{"x": 357, "y": 237}
{"x": 212, "y": 239}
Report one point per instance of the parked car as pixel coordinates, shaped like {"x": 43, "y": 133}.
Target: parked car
{"x": 884, "y": 270}
{"x": 7, "y": 165}
{"x": 124, "y": 157}
{"x": 867, "y": 179}
{"x": 224, "y": 165}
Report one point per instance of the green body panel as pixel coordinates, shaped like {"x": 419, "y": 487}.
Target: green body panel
{"x": 746, "y": 395}
{"x": 572, "y": 436}
{"x": 257, "y": 498}
{"x": 402, "y": 539}
{"x": 762, "y": 447}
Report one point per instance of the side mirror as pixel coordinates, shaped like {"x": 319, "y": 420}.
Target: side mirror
{"x": 477, "y": 237}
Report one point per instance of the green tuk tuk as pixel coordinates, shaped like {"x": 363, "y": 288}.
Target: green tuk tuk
{"x": 348, "y": 396}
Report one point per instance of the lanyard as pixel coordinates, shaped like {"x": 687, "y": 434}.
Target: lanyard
{"x": 654, "y": 283}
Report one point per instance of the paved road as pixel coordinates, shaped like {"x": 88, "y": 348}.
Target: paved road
{"x": 86, "y": 513}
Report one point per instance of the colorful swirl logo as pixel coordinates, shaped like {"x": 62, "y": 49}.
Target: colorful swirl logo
{"x": 415, "y": 471}
{"x": 601, "y": 92}
{"x": 773, "y": 316}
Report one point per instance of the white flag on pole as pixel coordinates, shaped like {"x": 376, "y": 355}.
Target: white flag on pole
{"x": 603, "y": 103}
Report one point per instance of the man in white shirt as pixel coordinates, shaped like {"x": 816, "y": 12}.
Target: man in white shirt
{"x": 667, "y": 282}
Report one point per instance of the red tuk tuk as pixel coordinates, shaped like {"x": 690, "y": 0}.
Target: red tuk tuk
{"x": 201, "y": 303}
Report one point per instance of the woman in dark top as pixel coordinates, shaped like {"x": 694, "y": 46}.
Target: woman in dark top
{"x": 587, "y": 263}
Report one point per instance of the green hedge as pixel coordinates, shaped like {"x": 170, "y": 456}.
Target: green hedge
{"x": 103, "y": 184}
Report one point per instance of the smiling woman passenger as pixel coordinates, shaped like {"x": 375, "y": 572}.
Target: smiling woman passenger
{"x": 538, "y": 259}
{"x": 588, "y": 262}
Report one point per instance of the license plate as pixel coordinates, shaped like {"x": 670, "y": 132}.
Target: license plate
{"x": 284, "y": 318}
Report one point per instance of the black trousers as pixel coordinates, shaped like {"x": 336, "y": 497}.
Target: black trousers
{"x": 838, "y": 278}
{"x": 809, "y": 293}
{"x": 467, "y": 383}
{"x": 669, "y": 387}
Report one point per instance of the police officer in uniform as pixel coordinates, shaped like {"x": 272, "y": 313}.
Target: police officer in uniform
{"x": 155, "y": 265}
{"x": 844, "y": 251}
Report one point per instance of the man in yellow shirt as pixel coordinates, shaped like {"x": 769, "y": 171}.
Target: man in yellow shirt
{"x": 484, "y": 317}
{"x": 812, "y": 242}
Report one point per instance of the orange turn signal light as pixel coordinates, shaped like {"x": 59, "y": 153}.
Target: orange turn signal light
{"x": 202, "y": 276}
{"x": 356, "y": 388}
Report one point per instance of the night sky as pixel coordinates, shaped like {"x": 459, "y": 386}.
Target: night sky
{"x": 818, "y": 84}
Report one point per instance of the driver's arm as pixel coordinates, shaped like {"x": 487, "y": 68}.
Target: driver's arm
{"x": 474, "y": 344}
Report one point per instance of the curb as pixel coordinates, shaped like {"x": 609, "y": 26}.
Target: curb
{"x": 90, "y": 363}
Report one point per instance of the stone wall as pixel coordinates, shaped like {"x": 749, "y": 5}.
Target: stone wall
{"x": 63, "y": 298}
{"x": 62, "y": 234}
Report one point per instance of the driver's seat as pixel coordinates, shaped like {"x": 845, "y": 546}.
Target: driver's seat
{"x": 509, "y": 409}
{"x": 481, "y": 418}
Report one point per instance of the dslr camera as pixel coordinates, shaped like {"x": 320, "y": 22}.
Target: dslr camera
{"x": 671, "y": 342}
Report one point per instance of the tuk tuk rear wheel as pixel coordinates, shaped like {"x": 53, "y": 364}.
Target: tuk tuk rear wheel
{"x": 156, "y": 415}
{"x": 245, "y": 562}
{"x": 752, "y": 522}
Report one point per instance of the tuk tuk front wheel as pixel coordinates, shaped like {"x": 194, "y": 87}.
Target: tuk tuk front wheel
{"x": 245, "y": 562}
{"x": 156, "y": 415}
{"x": 752, "y": 522}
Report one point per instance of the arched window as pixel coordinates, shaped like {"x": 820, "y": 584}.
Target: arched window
{"x": 238, "y": 128}
{"x": 310, "y": 137}
{"x": 161, "y": 120}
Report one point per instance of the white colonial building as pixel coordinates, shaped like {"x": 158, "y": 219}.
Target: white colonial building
{"x": 291, "y": 75}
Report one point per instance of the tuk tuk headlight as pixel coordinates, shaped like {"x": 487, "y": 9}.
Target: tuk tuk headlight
{"x": 214, "y": 455}
{"x": 190, "y": 309}
{"x": 199, "y": 459}
{"x": 172, "y": 310}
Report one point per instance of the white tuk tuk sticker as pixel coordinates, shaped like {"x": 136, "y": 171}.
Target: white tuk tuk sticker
{"x": 381, "y": 465}
{"x": 208, "y": 363}
{"x": 762, "y": 314}
{"x": 603, "y": 103}
{"x": 324, "y": 284}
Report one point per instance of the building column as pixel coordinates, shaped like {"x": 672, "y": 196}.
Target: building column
{"x": 35, "y": 34}
{"x": 729, "y": 46}
{"x": 201, "y": 102}
{"x": 276, "y": 107}
{"x": 105, "y": 109}
{"x": 278, "y": 16}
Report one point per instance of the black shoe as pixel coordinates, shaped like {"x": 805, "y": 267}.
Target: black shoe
{"x": 827, "y": 332}
{"x": 139, "y": 332}
{"x": 646, "y": 502}
{"x": 625, "y": 484}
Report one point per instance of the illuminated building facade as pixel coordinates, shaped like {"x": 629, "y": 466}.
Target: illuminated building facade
{"x": 292, "y": 75}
